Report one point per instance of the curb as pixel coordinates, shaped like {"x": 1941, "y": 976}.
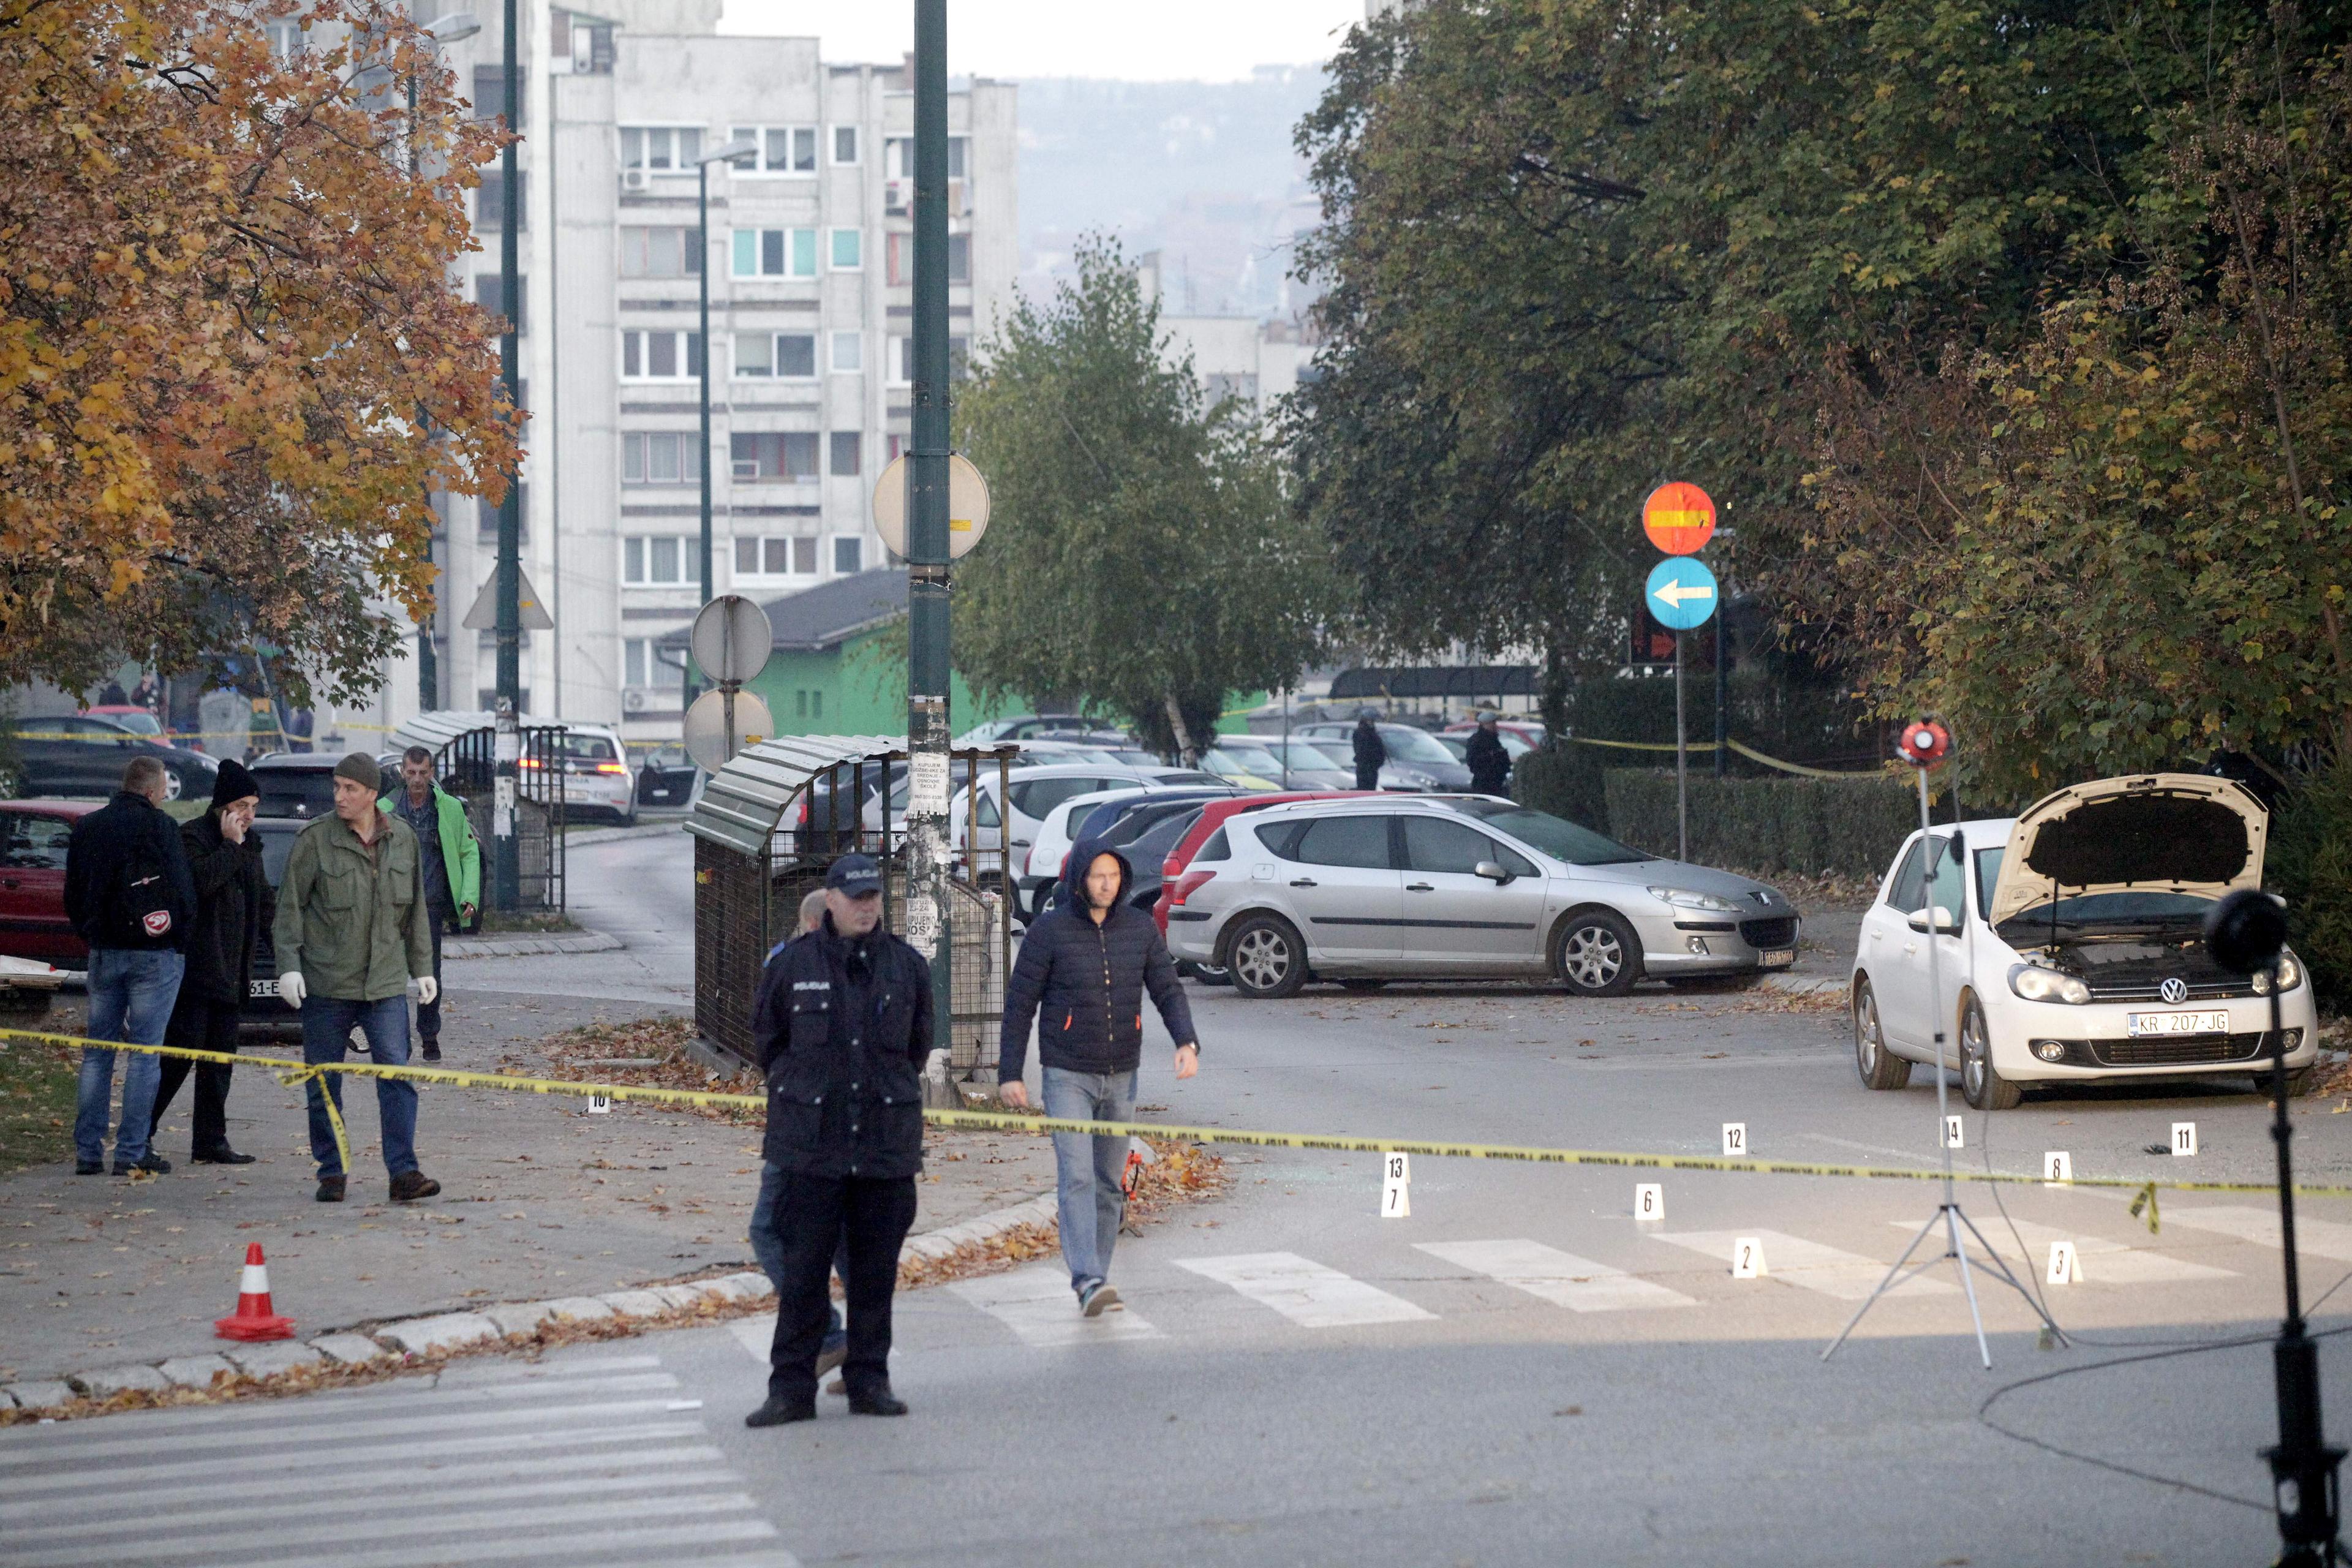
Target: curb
{"x": 516, "y": 946}
{"x": 405, "y": 1342}
{"x": 615, "y": 835}
{"x": 1798, "y": 985}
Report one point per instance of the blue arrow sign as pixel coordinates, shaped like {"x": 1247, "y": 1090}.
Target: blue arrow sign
{"x": 1680, "y": 592}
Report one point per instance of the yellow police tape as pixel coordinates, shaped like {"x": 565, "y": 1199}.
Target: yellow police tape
{"x": 292, "y": 1073}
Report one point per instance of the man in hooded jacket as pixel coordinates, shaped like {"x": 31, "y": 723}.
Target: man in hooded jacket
{"x": 1083, "y": 969}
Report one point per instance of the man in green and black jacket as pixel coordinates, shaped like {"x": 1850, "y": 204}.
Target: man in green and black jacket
{"x": 350, "y": 937}
{"x": 451, "y": 859}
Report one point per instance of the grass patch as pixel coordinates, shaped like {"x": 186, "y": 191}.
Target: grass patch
{"x": 36, "y": 1104}
{"x": 546, "y": 924}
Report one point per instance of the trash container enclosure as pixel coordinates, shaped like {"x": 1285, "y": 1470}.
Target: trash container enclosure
{"x": 768, "y": 826}
{"x": 464, "y": 763}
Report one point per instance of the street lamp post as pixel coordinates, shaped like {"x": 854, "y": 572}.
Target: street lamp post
{"x": 702, "y": 278}
{"x": 926, "y": 526}
{"x": 506, "y": 859}
{"x": 456, "y": 26}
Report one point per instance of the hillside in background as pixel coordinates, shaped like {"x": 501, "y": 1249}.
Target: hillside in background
{"x": 1201, "y": 172}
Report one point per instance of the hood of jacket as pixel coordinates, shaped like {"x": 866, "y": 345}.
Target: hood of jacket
{"x": 1073, "y": 875}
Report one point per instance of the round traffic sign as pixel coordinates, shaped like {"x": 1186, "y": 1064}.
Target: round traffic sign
{"x": 706, "y": 727}
{"x": 1678, "y": 517}
{"x": 1681, "y": 592}
{"x": 967, "y": 506}
{"x": 731, "y": 638}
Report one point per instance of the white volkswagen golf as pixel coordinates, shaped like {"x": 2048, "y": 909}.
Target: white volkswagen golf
{"x": 2069, "y": 948}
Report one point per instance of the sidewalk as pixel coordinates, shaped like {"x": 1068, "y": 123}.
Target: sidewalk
{"x": 539, "y": 1200}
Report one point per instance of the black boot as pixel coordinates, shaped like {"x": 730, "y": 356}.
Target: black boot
{"x": 877, "y": 1400}
{"x": 781, "y": 1413}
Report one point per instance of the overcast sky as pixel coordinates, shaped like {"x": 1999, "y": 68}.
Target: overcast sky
{"x": 1129, "y": 40}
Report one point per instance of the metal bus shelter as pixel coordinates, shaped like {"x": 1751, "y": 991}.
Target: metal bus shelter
{"x": 464, "y": 748}
{"x": 767, "y": 826}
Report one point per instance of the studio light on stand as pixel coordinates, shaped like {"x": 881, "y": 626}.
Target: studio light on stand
{"x": 2246, "y": 933}
{"x": 1924, "y": 744}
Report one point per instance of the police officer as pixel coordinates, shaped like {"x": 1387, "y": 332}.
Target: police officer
{"x": 843, "y": 1027}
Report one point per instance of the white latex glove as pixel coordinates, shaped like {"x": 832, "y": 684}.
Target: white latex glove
{"x": 427, "y": 988}
{"x": 290, "y": 990}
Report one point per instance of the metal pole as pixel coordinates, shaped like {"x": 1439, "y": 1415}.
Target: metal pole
{"x": 428, "y": 671}
{"x": 1722, "y": 694}
{"x": 506, "y": 857}
{"x": 926, "y": 523}
{"x": 2302, "y": 1467}
{"x": 1682, "y": 762}
{"x": 702, "y": 286}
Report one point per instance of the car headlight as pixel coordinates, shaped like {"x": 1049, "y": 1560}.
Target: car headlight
{"x": 2036, "y": 983}
{"x": 1687, "y": 899}
{"x": 2290, "y": 975}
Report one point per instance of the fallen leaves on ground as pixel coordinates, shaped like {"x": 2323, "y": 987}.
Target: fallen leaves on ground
{"x": 592, "y": 1054}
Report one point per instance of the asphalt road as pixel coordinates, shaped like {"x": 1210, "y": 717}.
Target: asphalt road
{"x": 1520, "y": 1370}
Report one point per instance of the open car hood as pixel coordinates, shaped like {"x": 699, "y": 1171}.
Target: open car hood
{"x": 2175, "y": 833}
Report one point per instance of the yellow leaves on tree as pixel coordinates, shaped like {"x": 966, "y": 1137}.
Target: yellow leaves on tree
{"x": 231, "y": 363}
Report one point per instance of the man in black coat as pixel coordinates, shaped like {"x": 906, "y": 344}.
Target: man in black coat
{"x": 843, "y": 1027}
{"x": 1371, "y": 752}
{"x": 1490, "y": 763}
{"x": 233, "y": 906}
{"x": 130, "y": 897}
{"x": 1082, "y": 973}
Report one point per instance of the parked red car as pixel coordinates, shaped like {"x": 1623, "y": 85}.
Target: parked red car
{"x": 33, "y": 838}
{"x": 1176, "y": 883}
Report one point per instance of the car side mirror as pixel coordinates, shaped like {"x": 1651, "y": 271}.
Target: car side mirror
{"x": 1946, "y": 920}
{"x": 1492, "y": 871}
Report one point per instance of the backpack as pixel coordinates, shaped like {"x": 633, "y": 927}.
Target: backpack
{"x": 139, "y": 904}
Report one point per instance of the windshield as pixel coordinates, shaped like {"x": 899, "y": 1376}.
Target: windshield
{"x": 1305, "y": 754}
{"x": 294, "y": 792}
{"x": 136, "y": 723}
{"x": 1556, "y": 836}
{"x": 1409, "y": 745}
{"x": 2128, "y": 909}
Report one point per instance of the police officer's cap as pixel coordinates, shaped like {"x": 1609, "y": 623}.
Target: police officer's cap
{"x": 855, "y": 875}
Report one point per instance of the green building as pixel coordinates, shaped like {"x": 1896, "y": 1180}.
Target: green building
{"x": 839, "y": 664}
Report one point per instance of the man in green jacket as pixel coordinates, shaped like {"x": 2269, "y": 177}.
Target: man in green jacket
{"x": 451, "y": 859}
{"x": 350, "y": 935}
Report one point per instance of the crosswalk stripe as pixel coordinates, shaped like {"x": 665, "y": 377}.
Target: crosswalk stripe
{"x": 2317, "y": 1237}
{"x": 2104, "y": 1262}
{"x": 354, "y": 1475}
{"x": 569, "y": 1551}
{"x": 1560, "y": 1277}
{"x": 329, "y": 1408}
{"x": 1811, "y": 1266}
{"x": 114, "y": 1478}
{"x": 171, "y": 1439}
{"x": 1305, "y": 1291}
{"x": 374, "y": 1498}
{"x": 1037, "y": 1304}
{"x": 420, "y": 1520}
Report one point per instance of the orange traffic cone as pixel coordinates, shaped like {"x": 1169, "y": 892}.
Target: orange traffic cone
{"x": 254, "y": 1319}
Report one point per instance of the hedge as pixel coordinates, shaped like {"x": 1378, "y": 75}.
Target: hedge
{"x": 1810, "y": 826}
{"x": 2309, "y": 861}
{"x": 1565, "y": 782}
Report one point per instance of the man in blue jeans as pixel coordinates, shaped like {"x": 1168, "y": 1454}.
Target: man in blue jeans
{"x": 130, "y": 894}
{"x": 1082, "y": 973}
{"x": 349, "y": 938}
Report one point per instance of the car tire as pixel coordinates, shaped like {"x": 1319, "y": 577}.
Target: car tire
{"x": 2298, "y": 1081}
{"x": 1596, "y": 954}
{"x": 1879, "y": 1068}
{"x": 174, "y": 785}
{"x": 1267, "y": 959}
{"x": 1981, "y": 1082}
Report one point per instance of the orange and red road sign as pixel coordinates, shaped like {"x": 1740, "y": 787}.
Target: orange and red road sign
{"x": 1678, "y": 517}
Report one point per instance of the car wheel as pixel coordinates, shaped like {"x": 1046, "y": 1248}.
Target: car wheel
{"x": 1981, "y": 1082}
{"x": 2298, "y": 1081}
{"x": 1362, "y": 984}
{"x": 1880, "y": 1068}
{"x": 173, "y": 785}
{"x": 1267, "y": 959}
{"x": 1596, "y": 954}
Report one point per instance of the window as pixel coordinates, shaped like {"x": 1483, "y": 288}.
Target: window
{"x": 643, "y": 665}
{"x": 1217, "y": 849}
{"x": 897, "y": 448}
{"x": 847, "y": 251}
{"x": 789, "y": 356}
{"x": 775, "y": 253}
{"x": 808, "y": 703}
{"x": 784, "y": 557}
{"x": 898, "y": 157}
{"x": 487, "y": 515}
{"x": 848, "y": 556}
{"x": 1434, "y": 844}
{"x": 489, "y": 201}
{"x": 848, "y": 352}
{"x": 844, "y": 144}
{"x": 901, "y": 361}
{"x": 661, "y": 458}
{"x": 1951, "y": 879}
{"x": 782, "y": 149}
{"x": 660, "y": 253}
{"x": 1906, "y": 891}
{"x": 767, "y": 457}
{"x": 488, "y": 293}
{"x": 662, "y": 559}
{"x": 490, "y": 91}
{"x": 846, "y": 452}
{"x": 660, "y": 146}
{"x": 660, "y": 356}
{"x": 1038, "y": 797}
{"x": 958, "y": 259}
{"x": 1360, "y": 841}
{"x": 284, "y": 40}
{"x": 34, "y": 842}
{"x": 959, "y": 358}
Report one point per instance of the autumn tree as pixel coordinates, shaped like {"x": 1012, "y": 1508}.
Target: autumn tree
{"x": 231, "y": 363}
